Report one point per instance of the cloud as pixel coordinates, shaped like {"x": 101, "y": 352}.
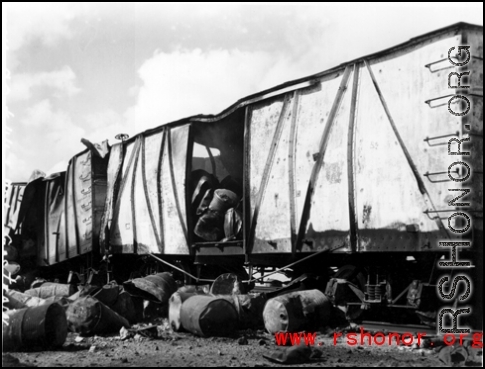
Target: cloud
{"x": 43, "y": 136}
{"x": 47, "y": 22}
{"x": 62, "y": 81}
{"x": 15, "y": 167}
{"x": 189, "y": 82}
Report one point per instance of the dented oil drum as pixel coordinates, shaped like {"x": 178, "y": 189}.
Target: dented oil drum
{"x": 175, "y": 306}
{"x": 36, "y": 327}
{"x": 89, "y": 316}
{"x": 296, "y": 311}
{"x": 22, "y": 298}
{"x": 208, "y": 316}
{"x": 52, "y": 289}
{"x": 161, "y": 286}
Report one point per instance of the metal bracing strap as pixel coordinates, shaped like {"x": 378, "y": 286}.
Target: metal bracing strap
{"x": 134, "y": 152}
{"x": 145, "y": 190}
{"x": 414, "y": 169}
{"x": 294, "y": 263}
{"x": 292, "y": 169}
{"x": 353, "y": 225}
{"x": 319, "y": 158}
{"x": 159, "y": 191}
{"x": 267, "y": 168}
{"x": 110, "y": 201}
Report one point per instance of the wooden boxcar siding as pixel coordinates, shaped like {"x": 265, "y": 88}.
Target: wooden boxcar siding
{"x": 53, "y": 247}
{"x": 73, "y": 208}
{"x": 13, "y": 199}
{"x": 145, "y": 205}
{"x": 389, "y": 201}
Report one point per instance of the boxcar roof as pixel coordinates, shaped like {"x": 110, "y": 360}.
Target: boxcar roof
{"x": 315, "y": 78}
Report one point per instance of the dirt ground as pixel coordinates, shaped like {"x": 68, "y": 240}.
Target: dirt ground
{"x": 246, "y": 348}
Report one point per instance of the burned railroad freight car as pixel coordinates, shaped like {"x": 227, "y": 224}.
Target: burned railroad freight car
{"x": 13, "y": 199}
{"x": 350, "y": 165}
{"x": 61, "y": 214}
{"x": 349, "y": 160}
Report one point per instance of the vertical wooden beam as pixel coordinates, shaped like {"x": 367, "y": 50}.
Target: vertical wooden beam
{"x": 46, "y": 221}
{"x": 247, "y": 247}
{"x": 188, "y": 203}
{"x": 74, "y": 204}
{"x": 67, "y": 192}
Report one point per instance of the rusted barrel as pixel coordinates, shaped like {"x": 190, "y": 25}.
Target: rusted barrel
{"x": 208, "y": 316}
{"x": 107, "y": 294}
{"x": 223, "y": 199}
{"x": 296, "y": 311}
{"x": 161, "y": 286}
{"x": 88, "y": 316}
{"x": 52, "y": 289}
{"x": 125, "y": 306}
{"x": 117, "y": 299}
{"x": 199, "y": 290}
{"x": 27, "y": 300}
{"x": 249, "y": 309}
{"x": 174, "y": 308}
{"x": 13, "y": 303}
{"x": 36, "y": 327}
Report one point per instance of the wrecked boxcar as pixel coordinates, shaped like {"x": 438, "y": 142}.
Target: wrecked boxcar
{"x": 348, "y": 165}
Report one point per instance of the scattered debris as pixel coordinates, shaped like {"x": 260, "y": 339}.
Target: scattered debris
{"x": 125, "y": 334}
{"x": 10, "y": 361}
{"x": 453, "y": 355}
{"x": 299, "y": 354}
{"x": 242, "y": 341}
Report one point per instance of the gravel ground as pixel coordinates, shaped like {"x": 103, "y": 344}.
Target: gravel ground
{"x": 246, "y": 348}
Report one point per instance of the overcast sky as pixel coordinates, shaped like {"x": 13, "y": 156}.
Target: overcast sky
{"x": 95, "y": 70}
